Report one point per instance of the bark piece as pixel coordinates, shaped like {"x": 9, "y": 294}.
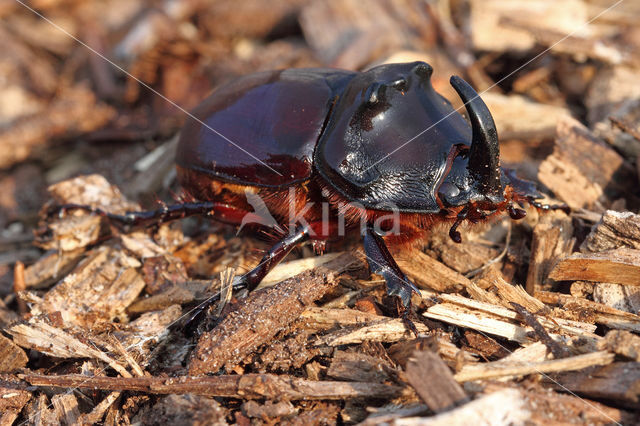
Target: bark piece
{"x": 609, "y": 90}
{"x": 11, "y": 403}
{"x": 519, "y": 118}
{"x": 620, "y": 129}
{"x": 292, "y": 352}
{"x": 619, "y": 382}
{"x": 247, "y": 386}
{"x": 58, "y": 343}
{"x": 427, "y": 272}
{"x": 268, "y": 410}
{"x": 12, "y": 357}
{"x": 489, "y": 33}
{"x": 507, "y": 369}
{"x": 101, "y": 287}
{"x": 552, "y": 238}
{"x": 347, "y": 35}
{"x": 614, "y": 230}
{"x": 65, "y": 406}
{"x": 258, "y": 318}
{"x": 358, "y": 367}
{"x": 622, "y": 343}
{"x": 502, "y": 408}
{"x": 463, "y": 258}
{"x": 499, "y": 321}
{"x": 618, "y": 266}
{"x": 583, "y": 170}
{"x": 184, "y": 409}
{"x": 51, "y": 267}
{"x": 72, "y": 112}
{"x": 433, "y": 381}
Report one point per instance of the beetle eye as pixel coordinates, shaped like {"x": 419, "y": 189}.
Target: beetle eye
{"x": 449, "y": 190}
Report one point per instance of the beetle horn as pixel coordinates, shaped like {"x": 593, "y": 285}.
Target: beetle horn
{"x": 484, "y": 155}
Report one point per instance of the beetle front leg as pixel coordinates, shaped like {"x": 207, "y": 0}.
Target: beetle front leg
{"x": 382, "y": 263}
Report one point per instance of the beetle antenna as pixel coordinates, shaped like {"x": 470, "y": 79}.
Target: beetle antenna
{"x": 484, "y": 154}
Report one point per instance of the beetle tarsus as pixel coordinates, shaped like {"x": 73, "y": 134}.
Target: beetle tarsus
{"x": 199, "y": 313}
{"x": 382, "y": 263}
{"x": 408, "y": 323}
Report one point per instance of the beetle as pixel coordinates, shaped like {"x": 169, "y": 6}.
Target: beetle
{"x": 362, "y": 144}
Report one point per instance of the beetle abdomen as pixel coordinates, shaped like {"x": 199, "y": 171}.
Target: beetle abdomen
{"x": 261, "y": 129}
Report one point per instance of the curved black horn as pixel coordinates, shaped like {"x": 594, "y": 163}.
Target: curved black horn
{"x": 484, "y": 156}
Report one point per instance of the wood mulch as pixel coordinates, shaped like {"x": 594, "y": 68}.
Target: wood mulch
{"x": 527, "y": 322}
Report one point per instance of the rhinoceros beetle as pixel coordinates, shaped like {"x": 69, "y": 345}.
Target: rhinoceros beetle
{"x": 358, "y": 142}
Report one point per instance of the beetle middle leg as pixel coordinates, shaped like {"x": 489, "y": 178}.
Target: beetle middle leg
{"x": 382, "y": 263}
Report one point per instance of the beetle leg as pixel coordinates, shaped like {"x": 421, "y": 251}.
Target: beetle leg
{"x": 278, "y": 252}
{"x": 382, "y": 263}
{"x": 251, "y": 279}
{"x": 139, "y": 220}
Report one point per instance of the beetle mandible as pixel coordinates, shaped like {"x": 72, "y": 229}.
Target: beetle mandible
{"x": 357, "y": 141}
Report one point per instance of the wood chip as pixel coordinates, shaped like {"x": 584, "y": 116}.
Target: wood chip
{"x": 358, "y": 367}
{"x": 433, "y": 381}
{"x": 12, "y": 357}
{"x": 258, "y": 318}
{"x": 247, "y": 386}
{"x": 583, "y": 170}
{"x": 101, "y": 286}
{"x": 348, "y": 36}
{"x": 519, "y": 118}
{"x": 502, "y": 408}
{"x": 552, "y": 239}
{"x": 55, "y": 342}
{"x": 622, "y": 343}
{"x": 614, "y": 230}
{"x": 619, "y": 382}
{"x": 499, "y": 321}
{"x": 65, "y": 406}
{"x": 11, "y": 403}
{"x": 618, "y": 266}
{"x": 426, "y": 272}
{"x": 489, "y": 33}
{"x": 507, "y": 369}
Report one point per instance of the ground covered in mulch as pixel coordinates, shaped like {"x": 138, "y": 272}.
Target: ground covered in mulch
{"x": 526, "y": 322}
